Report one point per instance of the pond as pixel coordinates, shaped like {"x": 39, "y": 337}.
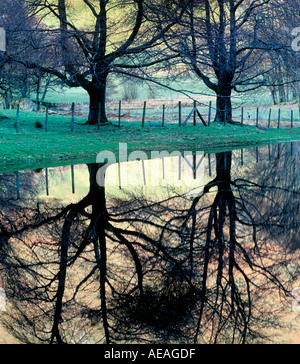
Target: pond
{"x": 201, "y": 249}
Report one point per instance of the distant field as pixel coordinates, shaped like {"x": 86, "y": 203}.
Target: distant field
{"x": 67, "y": 95}
{"x": 118, "y": 89}
{"x": 178, "y": 88}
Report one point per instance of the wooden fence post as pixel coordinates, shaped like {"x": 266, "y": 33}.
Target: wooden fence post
{"x": 144, "y": 172}
{"x": 18, "y": 119}
{"x": 164, "y": 115}
{"x": 73, "y": 179}
{"x": 47, "y": 117}
{"x": 195, "y": 114}
{"x": 279, "y": 118}
{"x": 47, "y": 182}
{"x": 120, "y": 111}
{"x": 209, "y": 113}
{"x": 120, "y": 176}
{"x": 73, "y": 117}
{"x": 209, "y": 165}
{"x": 180, "y": 113}
{"x": 144, "y": 114}
{"x": 269, "y": 122}
{"x": 242, "y": 117}
{"x": 257, "y": 117}
{"x": 292, "y": 118}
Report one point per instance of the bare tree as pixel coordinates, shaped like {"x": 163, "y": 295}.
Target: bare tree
{"x": 119, "y": 34}
{"x": 279, "y": 21}
{"x": 17, "y": 80}
{"x": 224, "y": 43}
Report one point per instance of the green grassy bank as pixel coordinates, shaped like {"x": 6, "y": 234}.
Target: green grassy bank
{"x": 35, "y": 147}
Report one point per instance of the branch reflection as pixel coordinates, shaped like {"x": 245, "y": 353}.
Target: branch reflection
{"x": 216, "y": 268}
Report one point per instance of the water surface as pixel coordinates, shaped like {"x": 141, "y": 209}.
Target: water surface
{"x": 203, "y": 250}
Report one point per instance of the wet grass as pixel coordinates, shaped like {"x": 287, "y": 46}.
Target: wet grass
{"x": 33, "y": 146}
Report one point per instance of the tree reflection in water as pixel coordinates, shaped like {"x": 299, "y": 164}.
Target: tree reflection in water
{"x": 181, "y": 270}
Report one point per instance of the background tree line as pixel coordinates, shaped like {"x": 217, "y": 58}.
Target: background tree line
{"x": 233, "y": 46}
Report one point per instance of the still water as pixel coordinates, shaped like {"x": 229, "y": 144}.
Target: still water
{"x": 197, "y": 250}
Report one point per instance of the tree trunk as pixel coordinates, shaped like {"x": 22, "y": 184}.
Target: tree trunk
{"x": 99, "y": 223}
{"x": 274, "y": 95}
{"x": 282, "y": 94}
{"x": 224, "y": 106}
{"x": 45, "y": 90}
{"x": 37, "y": 99}
{"x": 7, "y": 100}
{"x": 97, "y": 105}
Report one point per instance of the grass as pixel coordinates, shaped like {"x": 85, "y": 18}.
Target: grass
{"x": 33, "y": 147}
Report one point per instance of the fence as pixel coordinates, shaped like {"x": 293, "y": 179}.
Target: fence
{"x": 176, "y": 114}
{"x": 182, "y": 115}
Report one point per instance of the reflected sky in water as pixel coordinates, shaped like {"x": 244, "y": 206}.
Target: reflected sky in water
{"x": 197, "y": 250}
